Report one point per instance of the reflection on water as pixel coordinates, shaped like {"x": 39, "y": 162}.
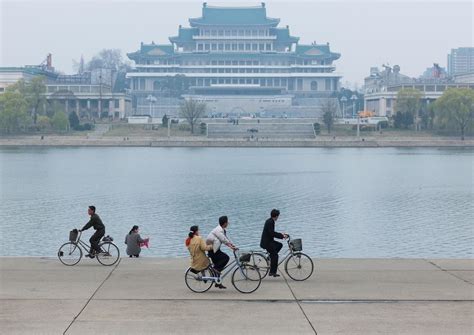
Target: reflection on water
{"x": 342, "y": 202}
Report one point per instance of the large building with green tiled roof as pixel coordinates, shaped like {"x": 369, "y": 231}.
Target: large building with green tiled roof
{"x": 236, "y": 60}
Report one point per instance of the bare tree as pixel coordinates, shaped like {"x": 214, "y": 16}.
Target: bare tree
{"x": 329, "y": 109}
{"x": 192, "y": 111}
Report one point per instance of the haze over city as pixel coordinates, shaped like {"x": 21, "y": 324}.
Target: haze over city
{"x": 411, "y": 34}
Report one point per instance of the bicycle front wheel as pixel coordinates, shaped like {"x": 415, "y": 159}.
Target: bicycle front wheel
{"x": 69, "y": 254}
{"x": 109, "y": 254}
{"x": 299, "y": 266}
{"x": 246, "y": 278}
{"x": 261, "y": 262}
{"x": 198, "y": 282}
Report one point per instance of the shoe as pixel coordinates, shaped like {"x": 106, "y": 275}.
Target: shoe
{"x": 90, "y": 256}
{"x": 274, "y": 275}
{"x": 220, "y": 286}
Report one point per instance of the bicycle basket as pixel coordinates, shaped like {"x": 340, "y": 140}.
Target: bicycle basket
{"x": 296, "y": 244}
{"x": 107, "y": 238}
{"x": 245, "y": 258}
{"x": 73, "y": 234}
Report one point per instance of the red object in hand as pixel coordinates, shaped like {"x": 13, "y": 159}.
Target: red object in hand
{"x": 145, "y": 243}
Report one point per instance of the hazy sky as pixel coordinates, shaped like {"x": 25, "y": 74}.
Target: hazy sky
{"x": 412, "y": 34}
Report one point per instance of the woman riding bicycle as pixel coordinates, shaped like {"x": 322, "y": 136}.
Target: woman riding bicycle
{"x": 197, "y": 248}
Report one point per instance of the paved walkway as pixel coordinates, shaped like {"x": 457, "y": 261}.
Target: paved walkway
{"x": 148, "y": 296}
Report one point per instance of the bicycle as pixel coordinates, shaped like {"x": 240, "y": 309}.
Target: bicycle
{"x": 298, "y": 265}
{"x": 245, "y": 277}
{"x": 70, "y": 253}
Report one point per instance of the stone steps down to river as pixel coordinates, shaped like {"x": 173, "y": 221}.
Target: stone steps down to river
{"x": 272, "y": 130}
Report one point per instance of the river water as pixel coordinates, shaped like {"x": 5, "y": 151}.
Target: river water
{"x": 359, "y": 202}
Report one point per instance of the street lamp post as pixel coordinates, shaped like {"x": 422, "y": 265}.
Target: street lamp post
{"x": 152, "y": 100}
{"x": 343, "y": 101}
{"x": 353, "y": 98}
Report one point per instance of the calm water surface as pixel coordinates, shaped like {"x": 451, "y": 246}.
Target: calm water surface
{"x": 342, "y": 202}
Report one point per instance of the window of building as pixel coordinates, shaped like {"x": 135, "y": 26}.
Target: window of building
{"x": 254, "y": 32}
{"x": 213, "y": 33}
{"x": 247, "y": 46}
{"x": 213, "y": 81}
{"x": 255, "y": 81}
{"x": 142, "y": 84}
{"x": 221, "y": 32}
{"x": 234, "y": 81}
{"x": 221, "y": 62}
{"x": 327, "y": 84}
{"x": 221, "y": 80}
{"x": 283, "y": 82}
{"x": 117, "y": 103}
{"x": 200, "y": 47}
{"x": 261, "y": 46}
{"x": 241, "y": 46}
{"x": 213, "y": 46}
{"x": 234, "y": 46}
{"x": 207, "y": 82}
{"x": 269, "y": 46}
{"x": 247, "y": 32}
{"x": 314, "y": 85}
{"x": 234, "y": 32}
{"x": 261, "y": 33}
{"x": 227, "y": 33}
{"x": 227, "y": 47}
{"x": 248, "y": 81}
{"x": 235, "y": 62}
{"x": 227, "y": 80}
{"x": 254, "y": 46}
{"x": 299, "y": 84}
{"x": 207, "y": 46}
{"x": 277, "y": 81}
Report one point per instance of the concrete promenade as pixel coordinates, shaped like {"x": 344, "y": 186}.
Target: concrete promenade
{"x": 148, "y": 296}
{"x": 321, "y": 142}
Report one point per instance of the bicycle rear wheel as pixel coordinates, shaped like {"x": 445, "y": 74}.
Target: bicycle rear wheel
{"x": 195, "y": 281}
{"x": 69, "y": 254}
{"x": 261, "y": 262}
{"x": 299, "y": 266}
{"x": 109, "y": 254}
{"x": 246, "y": 278}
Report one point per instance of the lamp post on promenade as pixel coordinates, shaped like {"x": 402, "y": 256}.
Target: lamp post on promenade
{"x": 353, "y": 98}
{"x": 343, "y": 101}
{"x": 151, "y": 99}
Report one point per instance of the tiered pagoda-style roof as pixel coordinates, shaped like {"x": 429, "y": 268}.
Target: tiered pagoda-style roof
{"x": 233, "y": 16}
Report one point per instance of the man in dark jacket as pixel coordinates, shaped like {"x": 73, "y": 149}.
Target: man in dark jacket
{"x": 99, "y": 227}
{"x": 267, "y": 242}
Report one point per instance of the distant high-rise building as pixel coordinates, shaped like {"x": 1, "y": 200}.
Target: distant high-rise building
{"x": 461, "y": 60}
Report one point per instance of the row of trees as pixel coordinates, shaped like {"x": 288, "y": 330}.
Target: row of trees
{"x": 23, "y": 107}
{"x": 453, "y": 111}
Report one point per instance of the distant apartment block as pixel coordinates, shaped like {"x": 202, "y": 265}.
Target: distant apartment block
{"x": 460, "y": 61}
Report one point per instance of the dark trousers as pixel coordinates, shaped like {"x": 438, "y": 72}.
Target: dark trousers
{"x": 219, "y": 259}
{"x": 273, "y": 249}
{"x": 95, "y": 239}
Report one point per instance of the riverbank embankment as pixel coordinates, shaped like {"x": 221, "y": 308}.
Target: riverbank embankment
{"x": 327, "y": 142}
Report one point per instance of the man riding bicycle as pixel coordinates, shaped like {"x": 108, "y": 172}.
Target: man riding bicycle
{"x": 99, "y": 227}
{"x": 267, "y": 241}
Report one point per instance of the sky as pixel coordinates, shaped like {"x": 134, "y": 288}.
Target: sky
{"x": 413, "y": 34}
